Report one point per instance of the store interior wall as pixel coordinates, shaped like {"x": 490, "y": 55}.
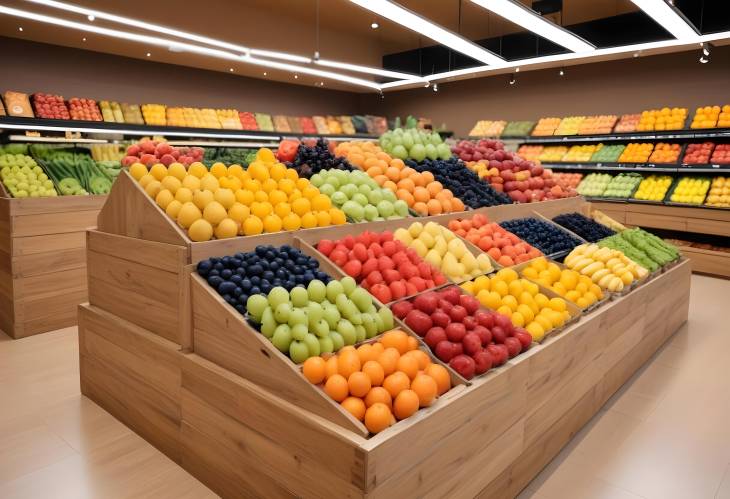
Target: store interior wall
{"x": 615, "y": 87}
{"x": 36, "y": 67}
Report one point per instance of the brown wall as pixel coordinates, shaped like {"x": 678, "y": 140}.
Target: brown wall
{"x": 36, "y": 67}
{"x": 616, "y": 87}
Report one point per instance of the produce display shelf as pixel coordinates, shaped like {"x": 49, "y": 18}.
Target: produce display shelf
{"x": 639, "y": 167}
{"x": 151, "y": 355}
{"x": 682, "y": 135}
{"x": 706, "y": 261}
{"x": 43, "y": 261}
{"x": 54, "y": 140}
{"x": 133, "y": 130}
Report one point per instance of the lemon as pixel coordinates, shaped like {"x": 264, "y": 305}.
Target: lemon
{"x": 269, "y": 185}
{"x": 302, "y": 183}
{"x": 244, "y": 197}
{"x": 173, "y": 208}
{"x": 235, "y": 171}
{"x": 309, "y": 220}
{"x": 158, "y": 171}
{"x": 261, "y": 210}
{"x": 277, "y": 171}
{"x": 214, "y": 212}
{"x": 301, "y": 206}
{"x": 282, "y": 209}
{"x": 218, "y": 170}
{"x": 224, "y": 197}
{"x": 184, "y": 195}
{"x": 209, "y": 183}
{"x": 536, "y": 330}
{"x": 291, "y": 174}
{"x": 145, "y": 179}
{"x": 526, "y": 312}
{"x": 200, "y": 230}
{"x": 321, "y": 202}
{"x": 202, "y": 198}
{"x": 507, "y": 275}
{"x": 226, "y": 228}
{"x": 252, "y": 185}
{"x": 510, "y": 301}
{"x": 197, "y": 169}
{"x": 515, "y": 288}
{"x": 137, "y": 171}
{"x": 499, "y": 286}
{"x": 258, "y": 171}
{"x": 337, "y": 216}
{"x": 518, "y": 319}
{"x": 153, "y": 188}
{"x": 261, "y": 196}
{"x": 287, "y": 186}
{"x": 188, "y": 214}
{"x": 469, "y": 288}
{"x": 323, "y": 219}
{"x": 272, "y": 223}
{"x": 177, "y": 170}
{"x": 266, "y": 155}
{"x": 239, "y": 212}
{"x": 164, "y": 198}
{"x": 171, "y": 183}
{"x": 557, "y": 304}
{"x": 505, "y": 310}
{"x": 191, "y": 182}
{"x": 252, "y": 226}
{"x": 291, "y": 222}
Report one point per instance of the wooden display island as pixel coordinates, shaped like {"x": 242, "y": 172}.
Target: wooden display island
{"x": 43, "y": 261}
{"x": 162, "y": 353}
{"x": 713, "y": 221}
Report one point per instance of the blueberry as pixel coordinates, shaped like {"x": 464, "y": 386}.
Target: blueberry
{"x": 226, "y": 260}
{"x": 229, "y": 299}
{"x": 214, "y": 281}
{"x": 255, "y": 291}
{"x": 242, "y": 299}
{"x": 204, "y": 266}
{"x": 281, "y": 274}
{"x": 276, "y": 282}
{"x": 214, "y": 272}
{"x": 266, "y": 287}
{"x": 245, "y": 284}
{"x": 236, "y": 262}
{"x": 236, "y": 278}
{"x": 255, "y": 270}
{"x": 240, "y": 308}
{"x": 237, "y": 292}
{"x": 219, "y": 266}
{"x": 255, "y": 280}
{"x": 261, "y": 250}
{"x": 226, "y": 287}
{"x": 226, "y": 273}
{"x": 241, "y": 271}
{"x": 274, "y": 265}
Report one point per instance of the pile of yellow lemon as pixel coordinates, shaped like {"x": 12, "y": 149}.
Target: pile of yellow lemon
{"x": 568, "y": 283}
{"x": 229, "y": 201}
{"x": 520, "y": 300}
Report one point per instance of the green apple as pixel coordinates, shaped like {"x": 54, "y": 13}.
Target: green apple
{"x": 297, "y": 316}
{"x": 277, "y": 296}
{"x": 347, "y": 330}
{"x": 312, "y": 343}
{"x": 282, "y": 312}
{"x": 299, "y": 351}
{"x": 337, "y": 340}
{"x": 361, "y": 298}
{"x": 282, "y": 339}
{"x": 268, "y": 323}
{"x": 321, "y": 328}
{"x": 317, "y": 291}
{"x": 299, "y": 331}
{"x": 299, "y": 297}
{"x": 256, "y": 304}
{"x": 326, "y": 345}
{"x": 349, "y": 285}
{"x": 334, "y": 289}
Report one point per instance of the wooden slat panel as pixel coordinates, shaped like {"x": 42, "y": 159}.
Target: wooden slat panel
{"x": 7, "y": 309}
{"x": 303, "y": 433}
{"x": 32, "y": 245}
{"x": 61, "y": 204}
{"x": 708, "y": 262}
{"x": 133, "y": 374}
{"x": 163, "y": 256}
{"x": 222, "y": 336}
{"x": 5, "y": 222}
{"x": 143, "y": 295}
{"x": 53, "y": 223}
{"x": 49, "y": 262}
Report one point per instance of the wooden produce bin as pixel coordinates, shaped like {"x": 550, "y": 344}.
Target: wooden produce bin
{"x": 43, "y": 261}
{"x": 208, "y": 405}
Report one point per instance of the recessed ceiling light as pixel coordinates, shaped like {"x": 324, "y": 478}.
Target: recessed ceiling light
{"x": 20, "y": 28}
{"x": 90, "y": 17}
{"x": 321, "y": 84}
{"x": 83, "y": 39}
{"x": 230, "y": 69}
{"x": 265, "y": 73}
{"x": 296, "y": 77}
{"x": 517, "y": 69}
{"x": 149, "y": 54}
{"x": 411, "y": 20}
{"x": 517, "y": 13}
{"x": 668, "y": 17}
{"x": 374, "y": 25}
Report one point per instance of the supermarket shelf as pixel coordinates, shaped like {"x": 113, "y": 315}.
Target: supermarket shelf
{"x": 639, "y": 167}
{"x": 10, "y": 123}
{"x": 706, "y": 261}
{"x": 206, "y": 143}
{"x": 686, "y": 134}
{"x": 54, "y": 140}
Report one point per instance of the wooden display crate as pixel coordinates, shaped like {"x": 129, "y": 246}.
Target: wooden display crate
{"x": 43, "y": 262}
{"x": 487, "y": 439}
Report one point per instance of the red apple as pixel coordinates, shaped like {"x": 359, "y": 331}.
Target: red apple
{"x": 440, "y": 318}
{"x": 514, "y": 346}
{"x": 444, "y": 350}
{"x": 434, "y": 336}
{"x": 455, "y": 331}
{"x": 419, "y": 322}
{"x": 472, "y": 343}
{"x": 482, "y": 362}
{"x": 464, "y": 365}
{"x": 401, "y": 308}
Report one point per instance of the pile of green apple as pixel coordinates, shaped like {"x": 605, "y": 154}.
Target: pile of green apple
{"x": 318, "y": 319}
{"x": 359, "y": 196}
{"x": 24, "y": 178}
{"x": 415, "y": 144}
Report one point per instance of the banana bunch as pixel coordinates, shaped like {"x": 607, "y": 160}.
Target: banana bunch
{"x": 608, "y": 268}
{"x": 609, "y": 222}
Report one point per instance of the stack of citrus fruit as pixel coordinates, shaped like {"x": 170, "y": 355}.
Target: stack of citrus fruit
{"x": 568, "y": 283}
{"x": 229, "y": 201}
{"x": 419, "y": 190}
{"x": 520, "y": 300}
{"x": 380, "y": 382}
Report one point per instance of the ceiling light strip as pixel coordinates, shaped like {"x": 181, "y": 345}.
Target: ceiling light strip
{"x": 668, "y": 17}
{"x": 153, "y": 40}
{"x": 408, "y": 19}
{"x": 527, "y": 18}
{"x": 364, "y": 69}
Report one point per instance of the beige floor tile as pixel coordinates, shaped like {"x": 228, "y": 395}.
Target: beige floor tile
{"x": 632, "y": 404}
{"x": 603, "y": 433}
{"x": 723, "y": 492}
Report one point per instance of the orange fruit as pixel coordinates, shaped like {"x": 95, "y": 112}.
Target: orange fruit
{"x": 393, "y": 173}
{"x": 354, "y": 406}
{"x": 434, "y": 188}
{"x": 457, "y": 204}
{"x": 406, "y": 184}
{"x": 408, "y": 364}
{"x": 359, "y": 384}
{"x": 378, "y": 394}
{"x": 390, "y": 185}
{"x": 428, "y": 177}
{"x": 396, "y": 383}
{"x": 348, "y": 362}
{"x": 337, "y": 388}
{"x": 405, "y": 404}
{"x": 421, "y": 357}
{"x": 389, "y": 360}
{"x": 426, "y": 389}
{"x": 397, "y": 339}
{"x": 398, "y": 163}
{"x": 314, "y": 369}
{"x": 412, "y": 343}
{"x": 406, "y": 196}
{"x": 441, "y": 376}
{"x": 374, "y": 371}
{"x": 380, "y": 179}
{"x": 421, "y": 194}
{"x": 330, "y": 367}
{"x": 366, "y": 353}
{"x": 434, "y": 207}
{"x": 378, "y": 348}
{"x": 420, "y": 208}
{"x": 378, "y": 417}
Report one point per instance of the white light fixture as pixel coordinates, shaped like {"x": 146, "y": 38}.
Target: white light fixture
{"x": 157, "y": 41}
{"x": 230, "y": 69}
{"x": 149, "y": 54}
{"x": 666, "y": 16}
{"x": 90, "y": 18}
{"x": 561, "y": 72}
{"x": 374, "y": 25}
{"x": 83, "y": 39}
{"x": 364, "y": 69}
{"x": 404, "y": 17}
{"x": 280, "y": 55}
{"x": 530, "y": 20}
{"x": 517, "y": 69}
{"x": 705, "y": 53}
{"x": 20, "y": 28}
{"x": 512, "y": 79}
{"x": 296, "y": 77}
{"x": 265, "y": 73}
{"x": 435, "y": 87}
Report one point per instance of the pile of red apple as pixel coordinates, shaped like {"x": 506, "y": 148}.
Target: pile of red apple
{"x": 150, "y": 152}
{"x": 84, "y": 109}
{"x": 50, "y": 107}
{"x": 458, "y": 331}
{"x": 382, "y": 265}
{"x": 721, "y": 156}
{"x": 698, "y": 154}
{"x": 523, "y": 181}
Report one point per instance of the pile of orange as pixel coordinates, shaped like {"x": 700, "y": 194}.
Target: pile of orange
{"x": 665, "y": 153}
{"x": 380, "y": 382}
{"x": 419, "y": 190}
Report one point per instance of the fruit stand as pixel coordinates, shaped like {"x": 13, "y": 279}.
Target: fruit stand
{"x": 42, "y": 261}
{"x": 162, "y": 352}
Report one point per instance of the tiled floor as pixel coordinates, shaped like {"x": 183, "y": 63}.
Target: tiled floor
{"x": 664, "y": 435}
